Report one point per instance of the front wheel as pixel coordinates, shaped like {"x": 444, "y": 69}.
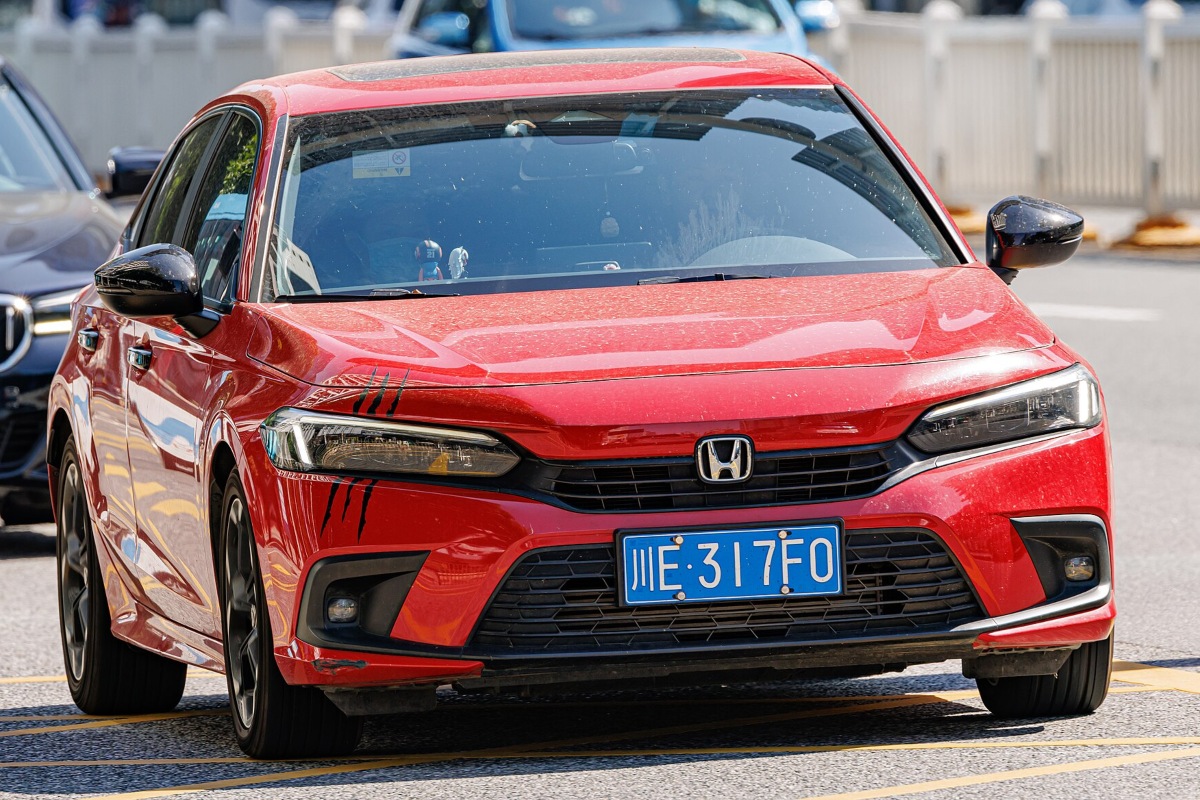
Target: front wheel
{"x": 1079, "y": 687}
{"x": 270, "y": 718}
{"x": 105, "y": 675}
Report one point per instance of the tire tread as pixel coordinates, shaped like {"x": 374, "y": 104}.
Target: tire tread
{"x": 1079, "y": 688}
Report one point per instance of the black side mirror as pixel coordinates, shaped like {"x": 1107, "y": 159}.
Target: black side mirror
{"x": 130, "y": 170}
{"x": 1026, "y": 232}
{"x": 156, "y": 281}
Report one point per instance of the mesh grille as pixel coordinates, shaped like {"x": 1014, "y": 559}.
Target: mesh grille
{"x": 670, "y": 484}
{"x": 565, "y": 599}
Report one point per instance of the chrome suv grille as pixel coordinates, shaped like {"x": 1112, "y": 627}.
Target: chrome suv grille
{"x": 673, "y": 484}
{"x": 16, "y": 328}
{"x": 565, "y": 600}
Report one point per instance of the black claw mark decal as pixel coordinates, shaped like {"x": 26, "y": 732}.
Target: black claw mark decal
{"x": 349, "y": 494}
{"x": 362, "y": 518}
{"x": 399, "y": 392}
{"x": 379, "y": 397}
{"x": 362, "y": 397}
{"x": 333, "y": 489}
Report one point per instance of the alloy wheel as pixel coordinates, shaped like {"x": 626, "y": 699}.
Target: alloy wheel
{"x": 74, "y": 536}
{"x": 241, "y": 612}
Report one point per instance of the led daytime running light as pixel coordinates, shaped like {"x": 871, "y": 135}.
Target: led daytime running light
{"x": 1060, "y": 401}
{"x": 307, "y": 441}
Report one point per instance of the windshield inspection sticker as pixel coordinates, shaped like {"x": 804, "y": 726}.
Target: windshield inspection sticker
{"x": 381, "y": 163}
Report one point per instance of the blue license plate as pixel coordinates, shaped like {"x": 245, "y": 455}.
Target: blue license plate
{"x": 703, "y": 566}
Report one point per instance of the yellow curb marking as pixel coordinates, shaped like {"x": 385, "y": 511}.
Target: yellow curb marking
{"x": 50, "y": 717}
{"x": 1162, "y": 677}
{"x": 1012, "y": 775}
{"x": 516, "y": 751}
{"x": 111, "y": 721}
{"x": 1146, "y": 741}
{"x": 871, "y": 748}
{"x": 35, "y": 679}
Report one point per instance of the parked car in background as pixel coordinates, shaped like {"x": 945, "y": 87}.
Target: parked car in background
{"x": 576, "y": 368}
{"x": 55, "y": 229}
{"x": 444, "y": 27}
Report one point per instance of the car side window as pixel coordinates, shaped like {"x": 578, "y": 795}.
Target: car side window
{"x": 162, "y": 218}
{"x": 215, "y": 231}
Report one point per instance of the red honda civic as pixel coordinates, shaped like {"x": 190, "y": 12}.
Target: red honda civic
{"x": 590, "y": 368}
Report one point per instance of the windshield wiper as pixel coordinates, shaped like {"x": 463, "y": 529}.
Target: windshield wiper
{"x": 376, "y": 294}
{"x": 716, "y": 276}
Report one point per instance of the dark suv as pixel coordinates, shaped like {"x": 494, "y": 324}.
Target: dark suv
{"x": 55, "y": 229}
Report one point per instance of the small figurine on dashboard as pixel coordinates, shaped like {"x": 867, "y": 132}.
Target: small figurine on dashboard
{"x": 428, "y": 254}
{"x": 458, "y": 263}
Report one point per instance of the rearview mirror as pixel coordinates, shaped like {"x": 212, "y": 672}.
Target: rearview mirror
{"x": 156, "y": 281}
{"x": 130, "y": 170}
{"x": 1025, "y": 232}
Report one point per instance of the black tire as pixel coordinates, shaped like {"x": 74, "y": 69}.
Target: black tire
{"x": 1079, "y": 687}
{"x": 105, "y": 675}
{"x": 270, "y": 718}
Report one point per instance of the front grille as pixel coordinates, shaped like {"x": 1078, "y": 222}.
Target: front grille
{"x": 16, "y": 326}
{"x": 565, "y": 600}
{"x": 673, "y": 484}
{"x": 20, "y": 434}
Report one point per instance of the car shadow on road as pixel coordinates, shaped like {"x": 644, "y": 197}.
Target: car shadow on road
{"x": 472, "y": 737}
{"x": 26, "y": 541}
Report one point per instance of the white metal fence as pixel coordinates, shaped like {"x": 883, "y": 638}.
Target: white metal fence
{"x": 1086, "y": 113}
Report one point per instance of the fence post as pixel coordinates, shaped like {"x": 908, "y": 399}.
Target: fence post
{"x": 210, "y": 24}
{"x": 276, "y": 23}
{"x": 1044, "y": 15}
{"x": 347, "y": 21}
{"x": 937, "y": 17}
{"x": 1158, "y": 228}
{"x": 839, "y": 37}
{"x": 84, "y": 32}
{"x": 147, "y": 28}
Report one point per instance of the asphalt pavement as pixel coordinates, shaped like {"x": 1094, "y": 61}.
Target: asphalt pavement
{"x": 922, "y": 733}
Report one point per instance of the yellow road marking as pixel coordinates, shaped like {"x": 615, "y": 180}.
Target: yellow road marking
{"x": 1173, "y": 741}
{"x": 49, "y": 717}
{"x": 195, "y": 673}
{"x": 1145, "y": 741}
{"x": 1012, "y": 775}
{"x": 517, "y": 750}
{"x": 110, "y": 722}
{"x": 1162, "y": 677}
{"x": 731, "y": 701}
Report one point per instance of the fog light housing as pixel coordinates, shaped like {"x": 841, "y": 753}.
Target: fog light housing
{"x": 1079, "y": 568}
{"x": 342, "y": 609}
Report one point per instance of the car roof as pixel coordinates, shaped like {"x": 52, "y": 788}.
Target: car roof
{"x": 463, "y": 78}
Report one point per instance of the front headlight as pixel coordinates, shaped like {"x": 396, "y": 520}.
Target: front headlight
{"x": 308, "y": 441}
{"x": 52, "y": 313}
{"x": 1060, "y": 401}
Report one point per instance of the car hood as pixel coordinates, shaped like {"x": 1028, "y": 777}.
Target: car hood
{"x": 640, "y": 331}
{"x": 53, "y": 240}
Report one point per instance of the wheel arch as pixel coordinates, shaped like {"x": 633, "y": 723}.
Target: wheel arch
{"x": 60, "y": 431}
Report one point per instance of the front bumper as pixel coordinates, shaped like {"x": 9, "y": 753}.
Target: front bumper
{"x": 468, "y": 542}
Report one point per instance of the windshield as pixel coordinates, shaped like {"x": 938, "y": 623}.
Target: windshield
{"x": 27, "y": 159}
{"x": 549, "y": 193}
{"x": 549, "y": 20}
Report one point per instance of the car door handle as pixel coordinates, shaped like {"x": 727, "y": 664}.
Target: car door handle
{"x": 139, "y": 357}
{"x": 88, "y": 338}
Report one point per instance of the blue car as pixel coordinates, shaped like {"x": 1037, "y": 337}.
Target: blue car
{"x": 445, "y": 27}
